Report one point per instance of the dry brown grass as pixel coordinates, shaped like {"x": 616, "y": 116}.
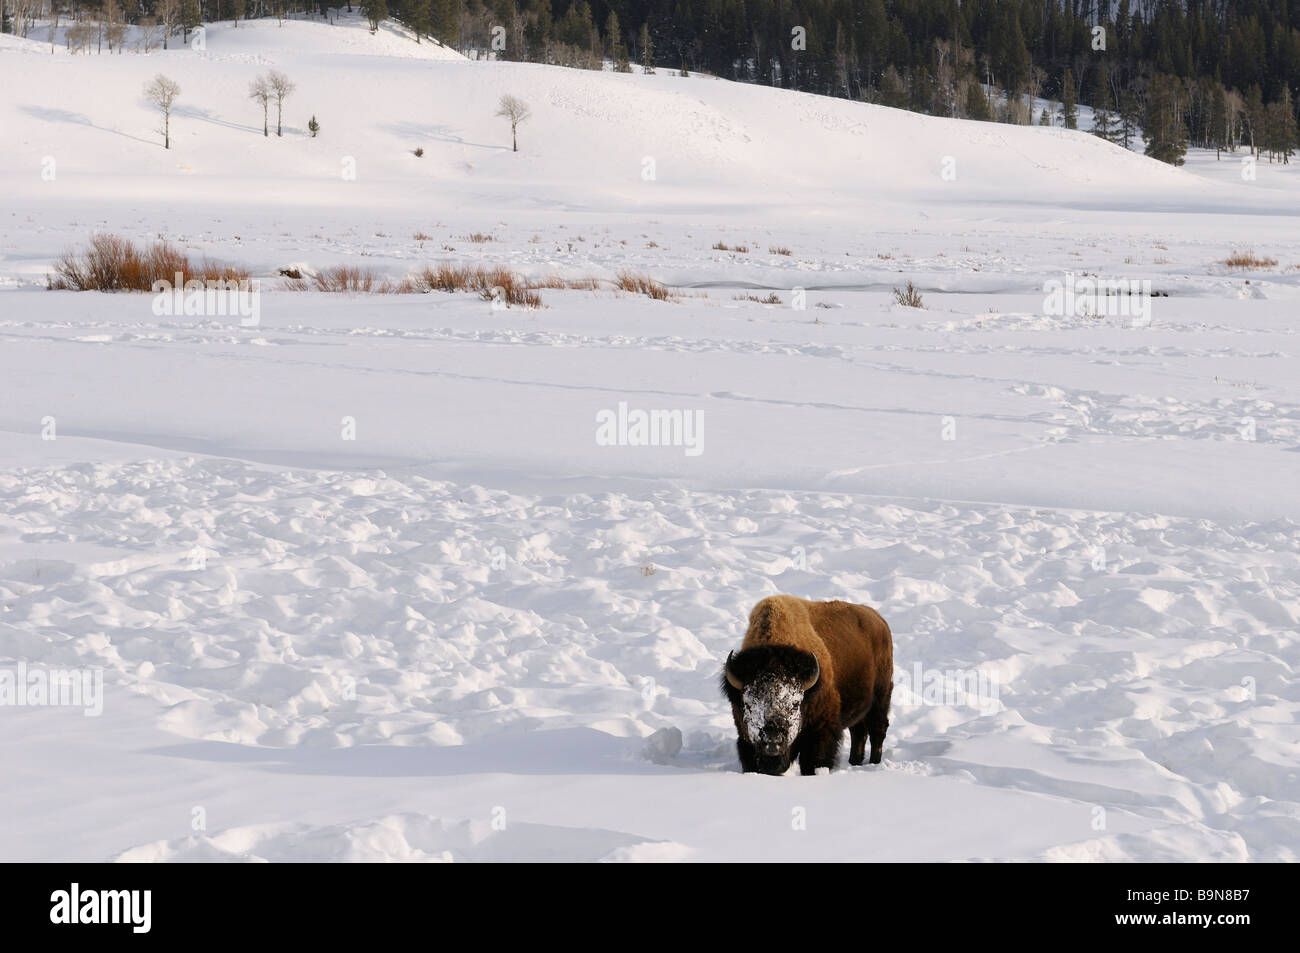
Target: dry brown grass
{"x": 908, "y": 297}
{"x": 349, "y": 278}
{"x": 112, "y": 263}
{"x": 478, "y": 238}
{"x": 490, "y": 282}
{"x": 1248, "y": 259}
{"x": 641, "y": 284}
{"x": 779, "y": 250}
{"x": 723, "y": 246}
{"x": 772, "y": 298}
{"x": 556, "y": 283}
{"x": 422, "y": 237}
{"x": 443, "y": 277}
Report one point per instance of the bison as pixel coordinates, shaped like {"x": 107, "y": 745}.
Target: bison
{"x": 805, "y": 672}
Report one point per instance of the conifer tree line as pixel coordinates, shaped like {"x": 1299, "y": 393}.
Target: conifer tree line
{"x": 1218, "y": 74}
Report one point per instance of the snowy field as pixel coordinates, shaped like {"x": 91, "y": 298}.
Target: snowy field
{"x": 363, "y": 583}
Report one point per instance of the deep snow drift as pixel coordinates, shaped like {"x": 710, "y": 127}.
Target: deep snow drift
{"x": 363, "y": 584}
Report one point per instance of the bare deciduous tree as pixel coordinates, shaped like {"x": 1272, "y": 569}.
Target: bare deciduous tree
{"x": 79, "y": 36}
{"x": 162, "y": 93}
{"x": 945, "y": 80}
{"x": 281, "y": 86}
{"x": 515, "y": 111}
{"x": 150, "y": 34}
{"x": 259, "y": 91}
{"x": 54, "y": 19}
{"x": 169, "y": 14}
{"x": 1033, "y": 89}
{"x": 1234, "y": 109}
{"x": 113, "y": 25}
{"x": 24, "y": 13}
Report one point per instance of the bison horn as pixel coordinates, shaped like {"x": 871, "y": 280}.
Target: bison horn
{"x": 811, "y": 680}
{"x": 731, "y": 678}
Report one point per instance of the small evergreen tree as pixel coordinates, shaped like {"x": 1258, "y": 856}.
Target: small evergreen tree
{"x": 617, "y": 48}
{"x": 1281, "y": 126}
{"x": 977, "y": 106}
{"x": 446, "y": 21}
{"x": 1218, "y": 120}
{"x": 1165, "y": 131}
{"x": 419, "y": 16}
{"x": 1103, "y": 124}
{"x": 1011, "y": 56}
{"x": 1130, "y": 118}
{"x": 313, "y": 126}
{"x": 376, "y": 11}
{"x": 893, "y": 91}
{"x": 191, "y": 16}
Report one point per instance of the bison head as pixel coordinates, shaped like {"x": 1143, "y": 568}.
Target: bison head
{"x": 767, "y": 685}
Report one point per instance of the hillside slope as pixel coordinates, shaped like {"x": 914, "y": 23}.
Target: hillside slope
{"x": 377, "y": 98}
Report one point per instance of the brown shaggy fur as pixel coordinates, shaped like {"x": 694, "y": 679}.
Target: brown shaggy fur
{"x": 855, "y": 651}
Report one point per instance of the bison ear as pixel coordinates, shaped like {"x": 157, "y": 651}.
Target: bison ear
{"x": 732, "y": 680}
{"x": 811, "y": 677}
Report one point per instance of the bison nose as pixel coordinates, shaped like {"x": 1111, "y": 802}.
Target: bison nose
{"x": 770, "y": 748}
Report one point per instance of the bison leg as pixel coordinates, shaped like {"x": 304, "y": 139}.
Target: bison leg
{"x": 748, "y": 758}
{"x": 858, "y": 742}
{"x": 819, "y": 748}
{"x": 877, "y": 721}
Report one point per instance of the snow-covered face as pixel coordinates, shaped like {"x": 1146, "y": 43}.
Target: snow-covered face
{"x": 772, "y": 717}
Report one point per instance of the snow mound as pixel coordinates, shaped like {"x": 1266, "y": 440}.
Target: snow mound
{"x": 404, "y": 838}
{"x": 337, "y": 610}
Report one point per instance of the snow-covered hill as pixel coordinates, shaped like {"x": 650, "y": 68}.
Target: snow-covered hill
{"x": 747, "y": 153}
{"x": 362, "y": 582}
